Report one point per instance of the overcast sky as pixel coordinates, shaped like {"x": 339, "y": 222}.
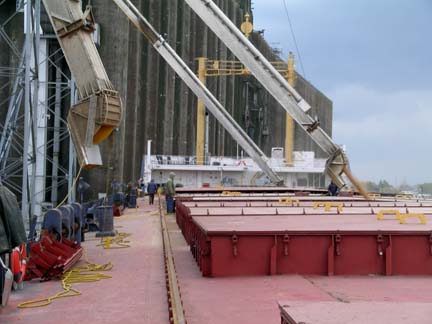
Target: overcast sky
{"x": 373, "y": 59}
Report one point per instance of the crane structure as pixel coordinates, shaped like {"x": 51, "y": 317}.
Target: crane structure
{"x": 99, "y": 110}
{"x": 277, "y": 86}
{"x": 219, "y": 68}
{"x": 198, "y": 88}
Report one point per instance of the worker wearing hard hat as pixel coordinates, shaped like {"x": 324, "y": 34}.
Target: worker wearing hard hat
{"x": 170, "y": 193}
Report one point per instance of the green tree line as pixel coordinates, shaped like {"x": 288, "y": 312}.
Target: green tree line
{"x": 383, "y": 186}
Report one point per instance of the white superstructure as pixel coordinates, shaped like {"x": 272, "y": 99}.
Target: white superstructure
{"x": 307, "y": 170}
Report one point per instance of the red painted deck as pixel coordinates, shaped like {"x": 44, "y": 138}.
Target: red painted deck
{"x": 253, "y": 300}
{"x": 137, "y": 292}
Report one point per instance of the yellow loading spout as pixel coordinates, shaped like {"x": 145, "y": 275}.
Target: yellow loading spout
{"x": 336, "y": 166}
{"x": 90, "y": 122}
{"x": 99, "y": 110}
{"x": 109, "y": 115}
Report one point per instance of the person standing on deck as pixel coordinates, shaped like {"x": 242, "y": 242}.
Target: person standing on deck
{"x": 128, "y": 192}
{"x": 333, "y": 189}
{"x": 151, "y": 190}
{"x": 141, "y": 184}
{"x": 170, "y": 192}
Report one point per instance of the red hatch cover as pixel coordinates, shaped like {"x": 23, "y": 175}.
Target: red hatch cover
{"x": 355, "y": 313}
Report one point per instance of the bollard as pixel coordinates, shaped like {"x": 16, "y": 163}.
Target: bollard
{"x": 106, "y": 221}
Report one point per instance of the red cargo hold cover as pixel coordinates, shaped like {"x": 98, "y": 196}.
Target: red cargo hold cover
{"x": 355, "y": 313}
{"x": 312, "y": 244}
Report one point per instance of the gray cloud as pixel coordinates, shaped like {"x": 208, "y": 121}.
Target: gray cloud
{"x": 372, "y": 58}
{"x": 387, "y": 133}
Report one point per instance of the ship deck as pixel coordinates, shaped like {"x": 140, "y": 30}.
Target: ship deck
{"x": 137, "y": 293}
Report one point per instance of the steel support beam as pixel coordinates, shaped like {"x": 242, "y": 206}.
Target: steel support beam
{"x": 38, "y": 138}
{"x": 27, "y": 107}
{"x": 289, "y": 121}
{"x": 200, "y": 124}
{"x": 72, "y": 160}
{"x": 12, "y": 115}
{"x": 56, "y": 137}
{"x": 40, "y": 125}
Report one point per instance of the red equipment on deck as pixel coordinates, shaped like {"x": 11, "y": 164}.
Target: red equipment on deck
{"x": 229, "y": 240}
{"x": 19, "y": 263}
{"x": 118, "y": 210}
{"x": 50, "y": 258}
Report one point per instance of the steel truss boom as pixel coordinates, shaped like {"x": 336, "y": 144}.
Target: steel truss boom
{"x": 275, "y": 84}
{"x": 199, "y": 89}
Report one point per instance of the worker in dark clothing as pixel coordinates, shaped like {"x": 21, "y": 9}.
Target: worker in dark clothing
{"x": 170, "y": 192}
{"x": 333, "y": 189}
{"x": 128, "y": 192}
{"x": 141, "y": 185}
{"x": 151, "y": 190}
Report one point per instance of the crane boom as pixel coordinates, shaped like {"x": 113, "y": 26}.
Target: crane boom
{"x": 200, "y": 90}
{"x": 276, "y": 85}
